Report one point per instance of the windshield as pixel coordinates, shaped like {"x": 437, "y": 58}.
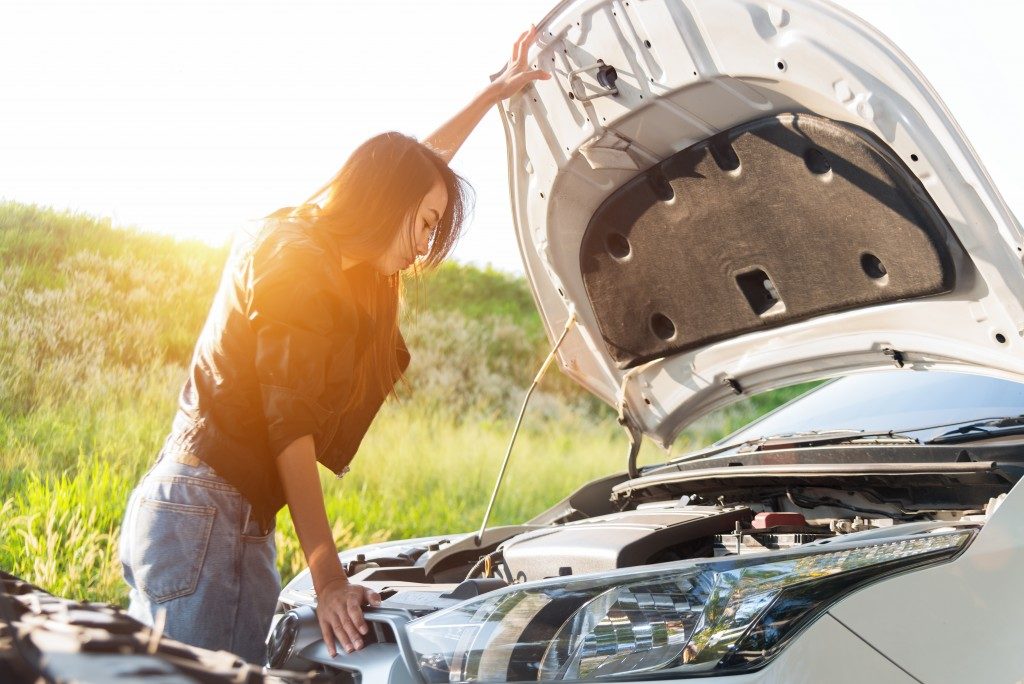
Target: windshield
{"x": 898, "y": 400}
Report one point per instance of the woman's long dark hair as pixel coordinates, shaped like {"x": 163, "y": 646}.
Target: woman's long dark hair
{"x": 363, "y": 207}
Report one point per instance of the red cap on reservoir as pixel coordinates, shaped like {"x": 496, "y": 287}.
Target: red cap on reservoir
{"x": 765, "y": 520}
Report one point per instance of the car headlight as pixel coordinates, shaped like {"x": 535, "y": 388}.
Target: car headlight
{"x": 725, "y": 615}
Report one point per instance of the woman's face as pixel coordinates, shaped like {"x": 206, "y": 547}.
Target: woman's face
{"x": 414, "y": 241}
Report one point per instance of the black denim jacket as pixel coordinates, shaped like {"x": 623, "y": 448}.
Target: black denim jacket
{"x": 276, "y": 361}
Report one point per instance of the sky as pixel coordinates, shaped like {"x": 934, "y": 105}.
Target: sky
{"x": 192, "y": 118}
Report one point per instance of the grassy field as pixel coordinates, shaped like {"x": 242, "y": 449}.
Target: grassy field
{"x": 96, "y": 327}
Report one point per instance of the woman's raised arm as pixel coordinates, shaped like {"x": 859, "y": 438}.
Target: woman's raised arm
{"x": 447, "y": 139}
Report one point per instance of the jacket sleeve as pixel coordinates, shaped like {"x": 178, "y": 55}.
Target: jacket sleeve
{"x": 290, "y": 313}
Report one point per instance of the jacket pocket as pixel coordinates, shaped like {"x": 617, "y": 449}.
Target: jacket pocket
{"x": 170, "y": 547}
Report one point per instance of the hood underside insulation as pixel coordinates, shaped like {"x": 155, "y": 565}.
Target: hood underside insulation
{"x": 766, "y": 224}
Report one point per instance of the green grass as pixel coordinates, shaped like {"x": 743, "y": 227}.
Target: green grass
{"x": 97, "y": 325}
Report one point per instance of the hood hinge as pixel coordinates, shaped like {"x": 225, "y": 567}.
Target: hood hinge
{"x": 896, "y": 354}
{"x": 733, "y": 384}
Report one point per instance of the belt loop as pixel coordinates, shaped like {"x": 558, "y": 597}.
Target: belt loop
{"x": 245, "y": 520}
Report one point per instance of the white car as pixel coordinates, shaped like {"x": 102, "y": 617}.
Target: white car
{"x": 714, "y": 198}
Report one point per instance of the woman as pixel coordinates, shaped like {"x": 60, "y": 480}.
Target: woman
{"x": 300, "y": 349}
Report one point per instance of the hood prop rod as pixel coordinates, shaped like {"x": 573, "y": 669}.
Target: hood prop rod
{"x": 569, "y": 323}
{"x": 626, "y": 421}
{"x": 634, "y": 449}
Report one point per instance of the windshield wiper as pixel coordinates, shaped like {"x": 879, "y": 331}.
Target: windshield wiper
{"x": 983, "y": 429}
{"x": 798, "y": 439}
{"x": 811, "y": 438}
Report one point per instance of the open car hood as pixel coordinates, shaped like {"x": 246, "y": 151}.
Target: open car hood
{"x": 772, "y": 193}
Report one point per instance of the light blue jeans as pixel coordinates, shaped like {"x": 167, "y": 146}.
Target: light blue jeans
{"x": 189, "y": 546}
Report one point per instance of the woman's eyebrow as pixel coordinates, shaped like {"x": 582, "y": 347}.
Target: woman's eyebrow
{"x": 437, "y": 217}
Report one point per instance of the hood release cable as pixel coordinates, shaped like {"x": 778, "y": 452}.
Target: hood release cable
{"x": 569, "y": 323}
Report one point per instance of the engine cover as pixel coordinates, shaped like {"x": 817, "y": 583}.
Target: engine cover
{"x": 619, "y": 540}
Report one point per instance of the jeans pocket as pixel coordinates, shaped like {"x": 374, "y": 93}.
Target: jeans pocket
{"x": 169, "y": 547}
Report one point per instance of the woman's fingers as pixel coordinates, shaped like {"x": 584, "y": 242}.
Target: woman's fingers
{"x": 345, "y": 637}
{"x": 328, "y": 636}
{"x": 343, "y": 625}
{"x": 517, "y": 49}
{"x": 355, "y": 640}
{"x": 517, "y": 72}
{"x": 345, "y": 633}
{"x": 341, "y": 618}
{"x": 522, "y": 45}
{"x": 521, "y": 49}
{"x": 355, "y": 613}
{"x": 338, "y": 628}
{"x": 331, "y": 636}
{"x": 520, "y": 80}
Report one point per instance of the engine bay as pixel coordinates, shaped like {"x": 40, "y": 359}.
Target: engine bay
{"x": 612, "y": 524}
{"x": 652, "y": 533}
{"x": 742, "y": 506}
